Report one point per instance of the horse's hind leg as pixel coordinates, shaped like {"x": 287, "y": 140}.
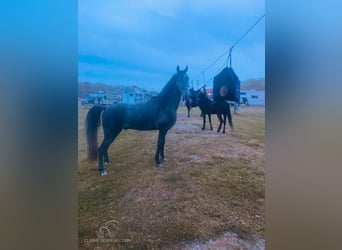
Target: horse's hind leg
{"x": 203, "y": 127}
{"x": 105, "y": 153}
{"x": 103, "y": 149}
{"x": 106, "y": 158}
{"x": 219, "y": 116}
{"x": 211, "y": 126}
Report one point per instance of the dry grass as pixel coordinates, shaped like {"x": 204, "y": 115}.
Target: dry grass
{"x": 210, "y": 184}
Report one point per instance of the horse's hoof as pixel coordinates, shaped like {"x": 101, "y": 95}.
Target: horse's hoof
{"x": 103, "y": 173}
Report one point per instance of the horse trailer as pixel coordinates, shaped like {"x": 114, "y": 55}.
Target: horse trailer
{"x": 252, "y": 98}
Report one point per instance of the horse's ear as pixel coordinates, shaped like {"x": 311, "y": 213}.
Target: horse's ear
{"x": 186, "y": 69}
{"x": 177, "y": 68}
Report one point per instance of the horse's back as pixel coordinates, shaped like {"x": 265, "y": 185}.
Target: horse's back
{"x": 131, "y": 116}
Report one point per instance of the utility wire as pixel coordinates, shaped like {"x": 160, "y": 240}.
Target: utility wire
{"x": 212, "y": 64}
{"x": 248, "y": 31}
{"x": 231, "y": 48}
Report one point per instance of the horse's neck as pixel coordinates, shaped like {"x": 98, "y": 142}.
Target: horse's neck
{"x": 170, "y": 95}
{"x": 172, "y": 99}
{"x": 208, "y": 101}
{"x": 205, "y": 98}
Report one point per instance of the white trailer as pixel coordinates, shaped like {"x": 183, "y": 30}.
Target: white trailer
{"x": 252, "y": 98}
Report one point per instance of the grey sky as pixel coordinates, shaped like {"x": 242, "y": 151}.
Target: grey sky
{"x": 141, "y": 42}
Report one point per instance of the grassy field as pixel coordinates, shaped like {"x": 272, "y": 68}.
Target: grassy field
{"x": 210, "y": 184}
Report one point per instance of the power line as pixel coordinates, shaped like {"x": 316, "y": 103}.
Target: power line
{"x": 248, "y": 31}
{"x": 231, "y": 48}
{"x": 216, "y": 72}
{"x": 212, "y": 64}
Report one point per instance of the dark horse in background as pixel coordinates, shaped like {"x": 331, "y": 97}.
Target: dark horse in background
{"x": 160, "y": 113}
{"x": 209, "y": 107}
{"x": 192, "y": 100}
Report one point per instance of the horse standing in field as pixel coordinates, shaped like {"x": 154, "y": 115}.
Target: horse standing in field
{"x": 160, "y": 113}
{"x": 192, "y": 100}
{"x": 209, "y": 107}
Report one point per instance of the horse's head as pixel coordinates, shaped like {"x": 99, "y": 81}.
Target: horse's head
{"x": 183, "y": 81}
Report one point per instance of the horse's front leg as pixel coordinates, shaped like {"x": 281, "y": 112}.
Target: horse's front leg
{"x": 230, "y": 120}
{"x": 162, "y": 156}
{"x": 160, "y": 147}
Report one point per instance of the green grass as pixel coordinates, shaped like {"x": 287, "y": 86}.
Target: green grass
{"x": 211, "y": 183}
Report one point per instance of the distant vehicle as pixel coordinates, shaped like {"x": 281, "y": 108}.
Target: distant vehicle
{"x": 87, "y": 100}
{"x": 244, "y": 100}
{"x": 100, "y": 98}
{"x": 252, "y": 98}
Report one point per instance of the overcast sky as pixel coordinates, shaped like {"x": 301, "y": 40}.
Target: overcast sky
{"x": 142, "y": 42}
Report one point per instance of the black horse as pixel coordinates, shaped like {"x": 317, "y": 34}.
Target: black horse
{"x": 209, "y": 107}
{"x": 160, "y": 113}
{"x": 192, "y": 100}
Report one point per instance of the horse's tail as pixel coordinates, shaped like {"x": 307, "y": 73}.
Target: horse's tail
{"x": 92, "y": 123}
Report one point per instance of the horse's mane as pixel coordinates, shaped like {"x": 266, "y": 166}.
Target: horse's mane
{"x": 164, "y": 92}
{"x": 205, "y": 95}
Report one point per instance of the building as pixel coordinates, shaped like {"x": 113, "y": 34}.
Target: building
{"x": 252, "y": 97}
